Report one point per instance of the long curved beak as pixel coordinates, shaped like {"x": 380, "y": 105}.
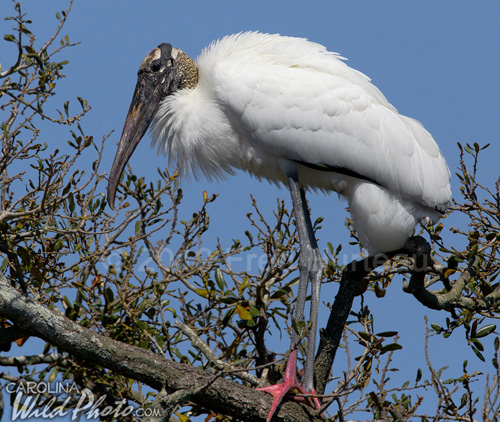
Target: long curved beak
{"x": 142, "y": 109}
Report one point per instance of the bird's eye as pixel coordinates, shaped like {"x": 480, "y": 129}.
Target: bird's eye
{"x": 156, "y": 65}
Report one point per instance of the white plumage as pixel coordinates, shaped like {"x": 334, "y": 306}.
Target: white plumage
{"x": 286, "y": 110}
{"x": 273, "y": 105}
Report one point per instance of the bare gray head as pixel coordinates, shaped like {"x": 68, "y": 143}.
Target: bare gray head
{"x": 164, "y": 71}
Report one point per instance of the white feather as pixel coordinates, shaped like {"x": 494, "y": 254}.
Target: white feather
{"x": 266, "y": 103}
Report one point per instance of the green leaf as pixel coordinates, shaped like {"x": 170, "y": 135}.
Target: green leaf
{"x": 387, "y": 334}
{"x": 29, "y": 49}
{"x": 8, "y": 37}
{"x": 109, "y": 295}
{"x": 365, "y": 336}
{"x": 228, "y": 316}
{"x": 58, "y": 245}
{"x": 484, "y": 331}
{"x": 66, "y": 189}
{"x": 219, "y": 278}
{"x": 243, "y": 313}
{"x": 478, "y": 353}
{"x": 83, "y": 103}
{"x": 202, "y": 292}
{"x": 419, "y": 376}
{"x": 478, "y": 344}
{"x": 254, "y": 311}
{"x": 330, "y": 247}
{"x": 279, "y": 293}
{"x": 138, "y": 227}
{"x": 53, "y": 375}
{"x": 245, "y": 283}
{"x": 249, "y": 235}
{"x": 68, "y": 303}
{"x": 440, "y": 371}
{"x": 299, "y": 327}
{"x": 24, "y": 255}
{"x": 473, "y": 251}
{"x": 228, "y": 300}
{"x": 71, "y": 203}
{"x": 4, "y": 264}
{"x": 390, "y": 347}
{"x": 379, "y": 292}
{"x": 464, "y": 400}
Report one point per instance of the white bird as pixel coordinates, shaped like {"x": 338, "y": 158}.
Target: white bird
{"x": 287, "y": 110}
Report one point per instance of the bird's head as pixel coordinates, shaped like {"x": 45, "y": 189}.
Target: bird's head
{"x": 164, "y": 71}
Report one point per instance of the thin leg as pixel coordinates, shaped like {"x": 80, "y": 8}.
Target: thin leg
{"x": 310, "y": 268}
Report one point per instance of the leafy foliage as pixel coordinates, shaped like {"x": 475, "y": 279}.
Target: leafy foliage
{"x": 129, "y": 273}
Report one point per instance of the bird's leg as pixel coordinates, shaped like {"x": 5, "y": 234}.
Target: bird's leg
{"x": 310, "y": 268}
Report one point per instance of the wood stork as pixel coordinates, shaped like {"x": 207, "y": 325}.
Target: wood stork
{"x": 287, "y": 110}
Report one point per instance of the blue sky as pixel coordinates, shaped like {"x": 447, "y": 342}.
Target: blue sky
{"x": 437, "y": 62}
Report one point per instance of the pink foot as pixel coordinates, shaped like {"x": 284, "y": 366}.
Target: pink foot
{"x": 289, "y": 384}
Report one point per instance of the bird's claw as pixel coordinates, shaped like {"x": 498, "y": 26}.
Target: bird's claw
{"x": 288, "y": 385}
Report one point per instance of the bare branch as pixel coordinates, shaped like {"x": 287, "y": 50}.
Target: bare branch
{"x": 228, "y": 397}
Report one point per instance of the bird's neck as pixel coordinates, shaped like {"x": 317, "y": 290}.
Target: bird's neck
{"x": 188, "y": 70}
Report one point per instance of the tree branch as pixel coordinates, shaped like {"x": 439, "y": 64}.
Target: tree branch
{"x": 352, "y": 278}
{"x": 353, "y": 283}
{"x": 454, "y": 297}
{"x": 219, "y": 394}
